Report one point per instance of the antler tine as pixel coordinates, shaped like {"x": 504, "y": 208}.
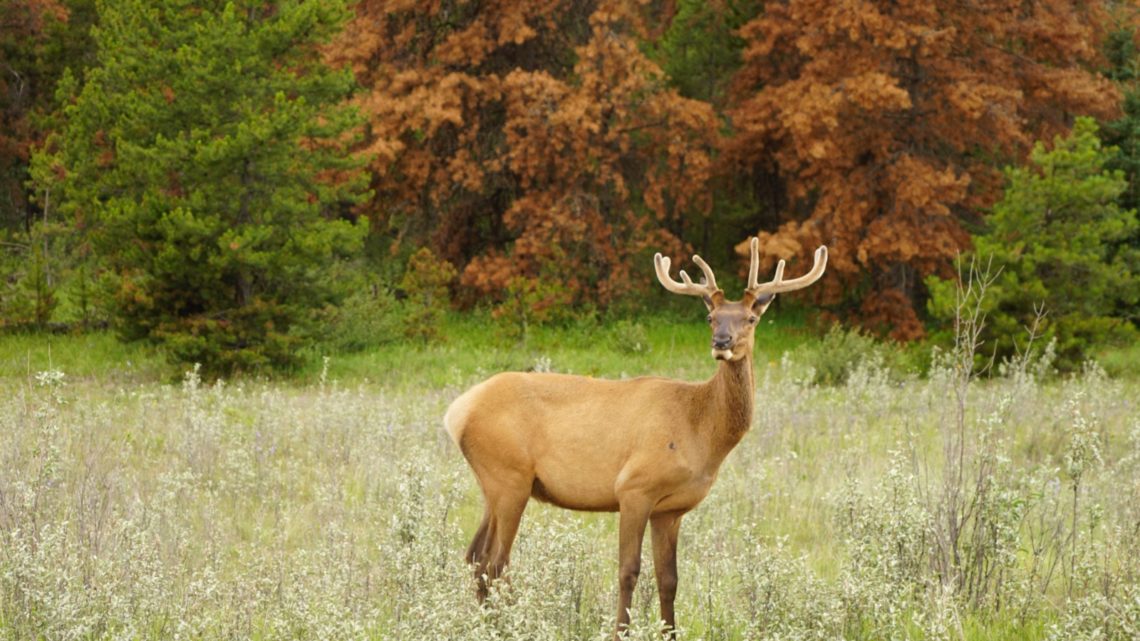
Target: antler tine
{"x": 779, "y": 277}
{"x": 710, "y": 280}
{"x": 754, "y": 266}
{"x": 778, "y": 285}
{"x": 687, "y": 287}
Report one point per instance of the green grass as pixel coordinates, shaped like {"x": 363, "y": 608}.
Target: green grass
{"x": 470, "y": 344}
{"x": 95, "y": 356}
{"x": 300, "y": 509}
{"x": 1121, "y": 361}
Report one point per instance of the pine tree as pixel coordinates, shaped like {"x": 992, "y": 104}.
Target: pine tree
{"x": 206, "y": 155}
{"x": 701, "y": 49}
{"x": 1124, "y": 132}
{"x": 27, "y": 30}
{"x": 1055, "y": 242}
{"x": 40, "y": 41}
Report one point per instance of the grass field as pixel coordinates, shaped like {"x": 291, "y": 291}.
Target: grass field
{"x": 470, "y": 345}
{"x": 888, "y": 507}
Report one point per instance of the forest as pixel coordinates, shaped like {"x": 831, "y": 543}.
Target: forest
{"x": 233, "y": 182}
{"x": 252, "y": 251}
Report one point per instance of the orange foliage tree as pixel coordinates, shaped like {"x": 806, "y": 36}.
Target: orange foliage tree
{"x": 885, "y": 121}
{"x": 527, "y": 138}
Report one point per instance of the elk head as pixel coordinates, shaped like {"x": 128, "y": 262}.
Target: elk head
{"x": 733, "y": 323}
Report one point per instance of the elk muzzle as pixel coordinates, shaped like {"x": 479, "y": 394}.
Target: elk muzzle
{"x": 722, "y": 345}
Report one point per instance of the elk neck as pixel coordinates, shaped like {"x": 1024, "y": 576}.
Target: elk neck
{"x": 730, "y": 396}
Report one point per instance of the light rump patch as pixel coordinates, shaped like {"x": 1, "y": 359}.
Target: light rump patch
{"x": 458, "y": 412}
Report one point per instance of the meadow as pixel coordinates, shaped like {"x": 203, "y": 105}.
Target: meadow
{"x": 897, "y": 499}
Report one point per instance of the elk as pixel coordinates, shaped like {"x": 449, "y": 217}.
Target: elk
{"x": 648, "y": 448}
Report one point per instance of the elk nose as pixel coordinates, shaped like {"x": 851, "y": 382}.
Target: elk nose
{"x": 721, "y": 342}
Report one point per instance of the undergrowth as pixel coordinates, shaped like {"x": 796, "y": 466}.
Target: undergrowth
{"x": 259, "y": 510}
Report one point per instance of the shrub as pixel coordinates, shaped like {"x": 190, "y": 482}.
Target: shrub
{"x": 29, "y": 286}
{"x": 842, "y": 352}
{"x": 529, "y": 302}
{"x": 629, "y": 337}
{"x": 48, "y": 281}
{"x": 425, "y": 282}
{"x": 368, "y": 316}
{"x": 251, "y": 338}
{"x": 1100, "y": 617}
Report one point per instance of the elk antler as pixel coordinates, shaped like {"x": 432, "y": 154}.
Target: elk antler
{"x": 778, "y": 285}
{"x": 688, "y": 287}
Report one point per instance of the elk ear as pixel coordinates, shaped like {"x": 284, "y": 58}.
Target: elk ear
{"x": 760, "y": 305}
{"x": 713, "y": 299}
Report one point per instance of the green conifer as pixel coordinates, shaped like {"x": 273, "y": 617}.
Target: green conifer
{"x": 207, "y": 155}
{"x": 1056, "y": 239}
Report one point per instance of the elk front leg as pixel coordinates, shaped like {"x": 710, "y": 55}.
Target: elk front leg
{"x": 631, "y": 531}
{"x": 665, "y": 529}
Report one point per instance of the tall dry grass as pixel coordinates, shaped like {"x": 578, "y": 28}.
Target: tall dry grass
{"x": 879, "y": 509}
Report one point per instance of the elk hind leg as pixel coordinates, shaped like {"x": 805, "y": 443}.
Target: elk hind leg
{"x": 505, "y": 505}
{"x": 477, "y": 551}
{"x": 481, "y": 555}
{"x": 508, "y": 515}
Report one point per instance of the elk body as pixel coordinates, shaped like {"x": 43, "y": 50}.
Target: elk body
{"x": 648, "y": 448}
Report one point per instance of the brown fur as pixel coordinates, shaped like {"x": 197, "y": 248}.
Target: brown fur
{"x": 649, "y": 448}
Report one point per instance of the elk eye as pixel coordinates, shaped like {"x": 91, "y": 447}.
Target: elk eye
{"x": 708, "y": 319}
{"x": 753, "y": 319}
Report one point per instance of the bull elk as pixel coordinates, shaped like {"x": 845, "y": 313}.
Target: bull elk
{"x": 648, "y": 447}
